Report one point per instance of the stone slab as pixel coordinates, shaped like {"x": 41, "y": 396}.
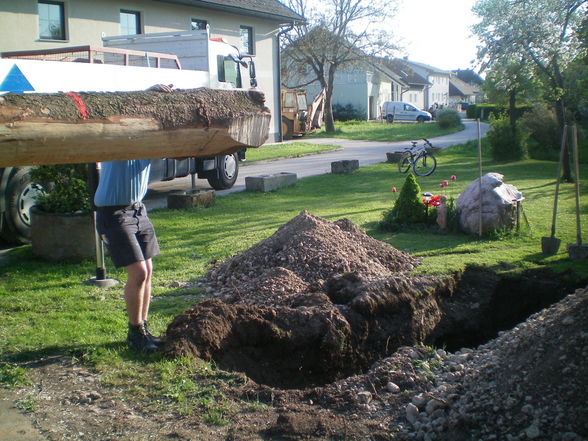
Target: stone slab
{"x": 184, "y": 200}
{"x": 267, "y": 183}
{"x": 393, "y": 156}
{"x": 344, "y": 166}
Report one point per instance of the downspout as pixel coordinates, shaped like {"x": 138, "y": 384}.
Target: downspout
{"x": 279, "y": 82}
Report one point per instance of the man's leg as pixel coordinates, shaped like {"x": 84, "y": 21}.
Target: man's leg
{"x": 147, "y": 289}
{"x": 137, "y": 281}
{"x": 137, "y": 294}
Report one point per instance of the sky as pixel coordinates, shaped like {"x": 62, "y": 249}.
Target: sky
{"x": 436, "y": 32}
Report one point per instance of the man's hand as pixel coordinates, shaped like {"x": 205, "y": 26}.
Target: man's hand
{"x": 161, "y": 88}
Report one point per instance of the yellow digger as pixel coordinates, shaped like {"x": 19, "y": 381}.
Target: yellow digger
{"x": 299, "y": 118}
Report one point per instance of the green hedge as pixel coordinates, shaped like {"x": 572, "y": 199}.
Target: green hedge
{"x": 483, "y": 111}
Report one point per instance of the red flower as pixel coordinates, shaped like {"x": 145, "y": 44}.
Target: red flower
{"x": 433, "y": 201}
{"x": 453, "y": 178}
{"x": 441, "y": 185}
{"x": 445, "y": 183}
{"x": 394, "y": 190}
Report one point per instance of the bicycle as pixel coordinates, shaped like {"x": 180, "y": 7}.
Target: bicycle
{"x": 422, "y": 162}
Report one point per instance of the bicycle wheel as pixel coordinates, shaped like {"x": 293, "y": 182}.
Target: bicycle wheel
{"x": 404, "y": 163}
{"x": 424, "y": 165}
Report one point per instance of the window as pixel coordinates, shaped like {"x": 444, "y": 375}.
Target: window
{"x": 197, "y": 24}
{"x": 247, "y": 40}
{"x": 51, "y": 20}
{"x": 130, "y": 22}
{"x": 228, "y": 71}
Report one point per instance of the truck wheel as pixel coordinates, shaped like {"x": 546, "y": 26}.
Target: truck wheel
{"x": 390, "y": 118}
{"x": 287, "y": 128}
{"x": 20, "y": 198}
{"x": 226, "y": 174}
{"x": 420, "y": 119}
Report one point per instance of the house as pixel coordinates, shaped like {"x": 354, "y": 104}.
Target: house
{"x": 461, "y": 93}
{"x": 472, "y": 79}
{"x": 365, "y": 86}
{"x": 417, "y": 84}
{"x": 251, "y": 25}
{"x": 437, "y": 90}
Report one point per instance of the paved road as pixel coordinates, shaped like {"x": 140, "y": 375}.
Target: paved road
{"x": 368, "y": 152}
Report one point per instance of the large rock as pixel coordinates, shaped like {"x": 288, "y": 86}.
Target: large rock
{"x": 498, "y": 205}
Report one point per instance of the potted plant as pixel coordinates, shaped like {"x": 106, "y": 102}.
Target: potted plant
{"x": 62, "y": 225}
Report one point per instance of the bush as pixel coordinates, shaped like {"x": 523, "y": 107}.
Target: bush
{"x": 347, "y": 113}
{"x": 65, "y": 185}
{"x": 485, "y": 111}
{"x": 504, "y": 144}
{"x": 448, "y": 118}
{"x": 544, "y": 132}
{"x": 408, "y": 208}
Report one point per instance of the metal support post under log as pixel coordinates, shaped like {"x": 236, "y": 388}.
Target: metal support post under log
{"x": 100, "y": 280}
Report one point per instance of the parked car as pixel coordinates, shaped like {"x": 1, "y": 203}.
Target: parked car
{"x": 401, "y": 111}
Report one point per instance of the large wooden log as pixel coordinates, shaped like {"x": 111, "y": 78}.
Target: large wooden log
{"x": 40, "y": 129}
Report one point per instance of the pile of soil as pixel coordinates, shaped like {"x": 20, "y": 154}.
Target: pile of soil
{"x": 300, "y": 257}
{"x": 313, "y": 303}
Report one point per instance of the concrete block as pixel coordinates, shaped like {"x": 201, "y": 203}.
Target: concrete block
{"x": 183, "y": 200}
{"x": 266, "y": 183}
{"x": 345, "y": 166}
{"x": 393, "y": 156}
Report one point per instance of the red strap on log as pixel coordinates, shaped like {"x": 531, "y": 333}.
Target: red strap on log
{"x": 79, "y": 104}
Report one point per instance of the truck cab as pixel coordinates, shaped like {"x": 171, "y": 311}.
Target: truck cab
{"x": 294, "y": 113}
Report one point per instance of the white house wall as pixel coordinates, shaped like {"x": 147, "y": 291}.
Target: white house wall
{"x": 87, "y": 21}
{"x": 416, "y": 97}
{"x": 438, "y": 92}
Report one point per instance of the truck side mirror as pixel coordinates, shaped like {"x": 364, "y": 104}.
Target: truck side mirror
{"x": 253, "y": 80}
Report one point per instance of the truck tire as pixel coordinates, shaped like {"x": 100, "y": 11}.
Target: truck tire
{"x": 20, "y": 197}
{"x": 420, "y": 119}
{"x": 390, "y": 118}
{"x": 287, "y": 128}
{"x": 226, "y": 173}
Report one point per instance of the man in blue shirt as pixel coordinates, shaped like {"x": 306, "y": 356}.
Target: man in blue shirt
{"x": 122, "y": 222}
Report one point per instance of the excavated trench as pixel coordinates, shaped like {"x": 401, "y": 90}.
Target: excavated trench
{"x": 321, "y": 301}
{"x": 312, "y": 344}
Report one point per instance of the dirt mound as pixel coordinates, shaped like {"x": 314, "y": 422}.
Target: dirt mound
{"x": 313, "y": 303}
{"x": 300, "y": 256}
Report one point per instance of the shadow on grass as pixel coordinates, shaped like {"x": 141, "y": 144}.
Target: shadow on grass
{"x": 56, "y": 354}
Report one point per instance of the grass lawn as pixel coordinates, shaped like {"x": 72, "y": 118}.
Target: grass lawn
{"x": 287, "y": 150}
{"x": 46, "y": 309}
{"x": 382, "y": 131}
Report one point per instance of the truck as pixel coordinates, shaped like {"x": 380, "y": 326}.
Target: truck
{"x": 400, "y": 111}
{"x": 215, "y": 64}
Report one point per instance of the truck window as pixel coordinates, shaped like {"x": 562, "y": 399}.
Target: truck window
{"x": 228, "y": 71}
{"x": 301, "y": 101}
{"x": 290, "y": 100}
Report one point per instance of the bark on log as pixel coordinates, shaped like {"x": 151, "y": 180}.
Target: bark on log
{"x": 38, "y": 129}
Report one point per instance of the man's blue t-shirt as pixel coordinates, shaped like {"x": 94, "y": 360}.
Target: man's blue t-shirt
{"x": 122, "y": 182}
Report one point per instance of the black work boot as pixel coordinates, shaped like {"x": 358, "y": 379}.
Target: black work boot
{"x": 138, "y": 340}
{"x": 159, "y": 342}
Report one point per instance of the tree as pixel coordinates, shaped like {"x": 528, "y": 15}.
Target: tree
{"x": 509, "y": 82}
{"x": 341, "y": 34}
{"x": 576, "y": 78}
{"x": 540, "y": 31}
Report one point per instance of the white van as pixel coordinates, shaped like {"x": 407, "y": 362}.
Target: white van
{"x": 400, "y": 111}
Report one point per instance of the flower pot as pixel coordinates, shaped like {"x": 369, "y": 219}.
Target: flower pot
{"x": 63, "y": 236}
